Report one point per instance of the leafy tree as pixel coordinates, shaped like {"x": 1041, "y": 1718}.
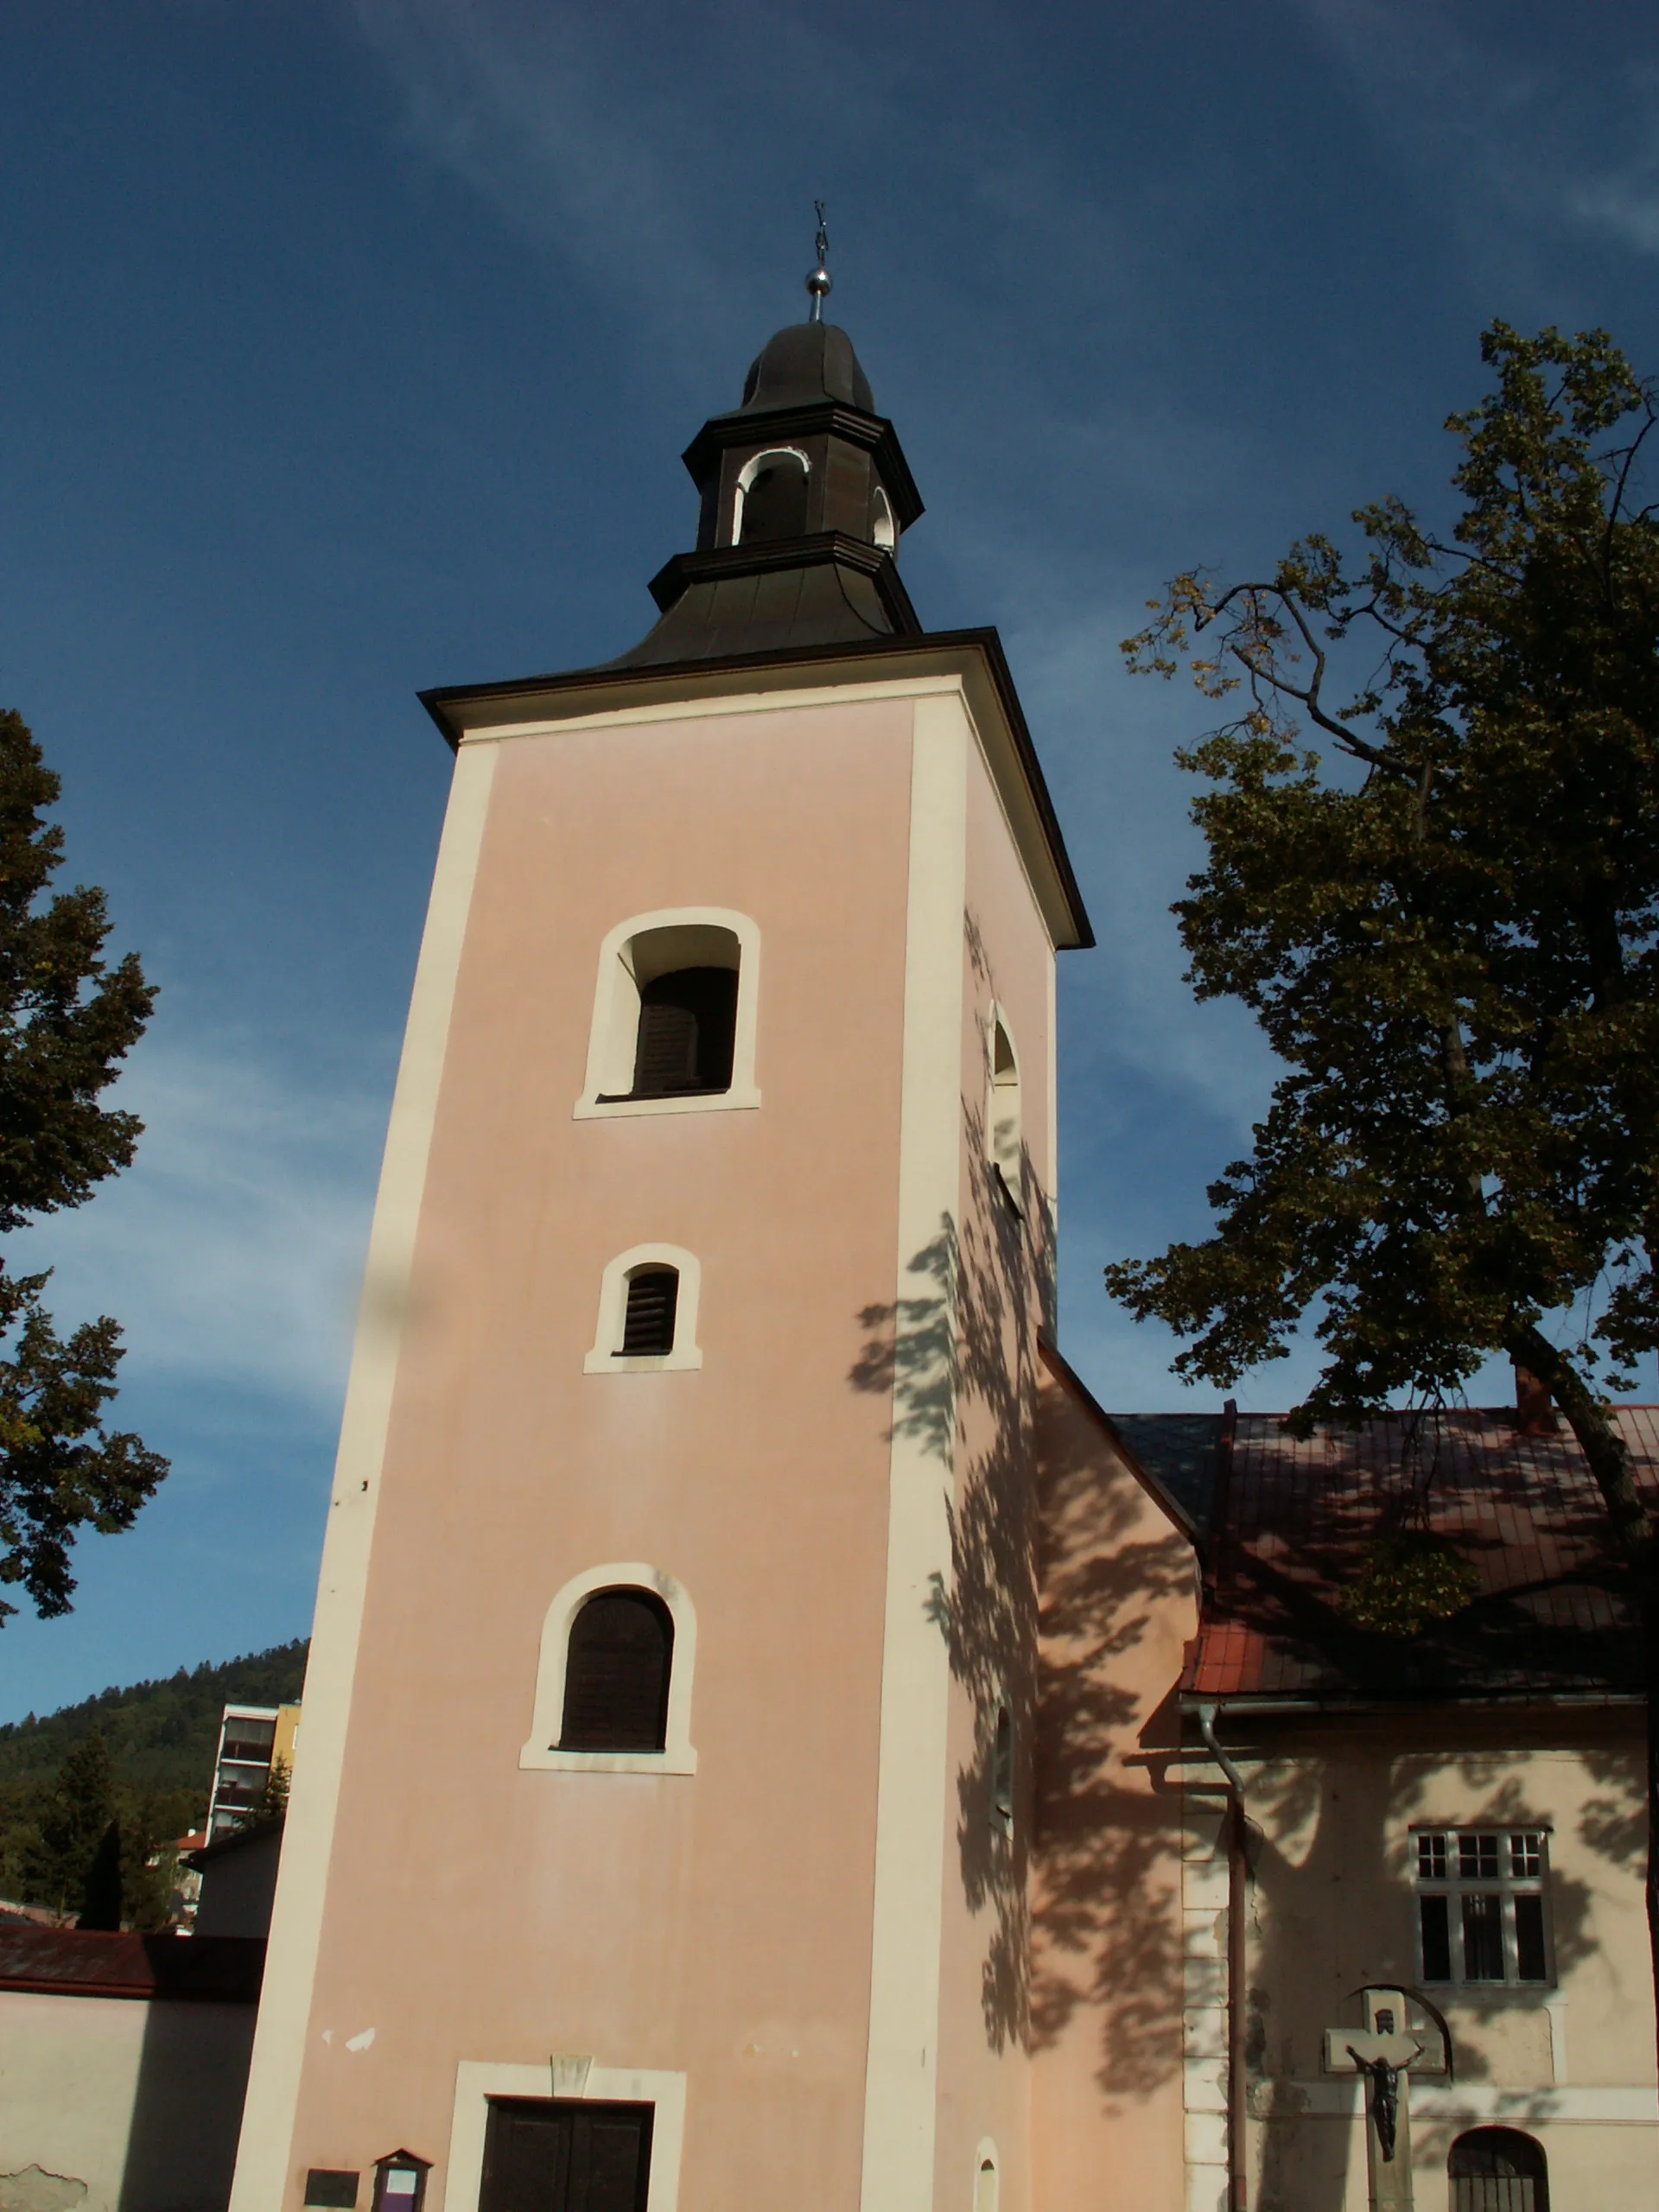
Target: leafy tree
{"x": 1443, "y": 911}
{"x": 67, "y": 1018}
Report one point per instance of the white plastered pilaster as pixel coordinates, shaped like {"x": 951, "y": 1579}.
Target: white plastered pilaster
{"x": 902, "y": 2068}
{"x": 263, "y": 2155}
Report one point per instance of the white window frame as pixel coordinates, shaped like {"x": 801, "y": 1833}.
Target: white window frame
{"x": 479, "y": 2080}
{"x": 751, "y": 468}
{"x": 540, "y": 1752}
{"x": 614, "y": 1036}
{"x": 687, "y": 1356}
{"x": 1507, "y": 1886}
{"x": 884, "y": 531}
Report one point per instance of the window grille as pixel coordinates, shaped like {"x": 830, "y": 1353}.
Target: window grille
{"x": 1481, "y": 1905}
{"x": 1498, "y": 2170}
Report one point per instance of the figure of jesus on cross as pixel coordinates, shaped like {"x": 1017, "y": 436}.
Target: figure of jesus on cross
{"x": 1386, "y": 2052}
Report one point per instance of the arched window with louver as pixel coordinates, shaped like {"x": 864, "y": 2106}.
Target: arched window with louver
{"x": 674, "y": 1015}
{"x": 1498, "y": 2170}
{"x": 647, "y": 1321}
{"x": 616, "y": 1673}
{"x": 613, "y": 1682}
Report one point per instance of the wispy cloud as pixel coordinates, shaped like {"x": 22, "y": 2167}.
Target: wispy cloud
{"x": 230, "y": 1251}
{"x": 1524, "y": 153}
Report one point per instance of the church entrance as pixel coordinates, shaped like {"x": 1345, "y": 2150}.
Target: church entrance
{"x": 559, "y": 2154}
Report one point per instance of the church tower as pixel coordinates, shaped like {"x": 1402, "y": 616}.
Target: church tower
{"x": 658, "y": 1833}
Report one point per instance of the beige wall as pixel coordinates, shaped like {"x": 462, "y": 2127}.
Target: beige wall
{"x": 119, "y": 2105}
{"x": 1119, "y": 1602}
{"x": 1332, "y": 1907}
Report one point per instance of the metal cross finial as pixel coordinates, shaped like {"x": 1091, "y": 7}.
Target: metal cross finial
{"x": 818, "y": 283}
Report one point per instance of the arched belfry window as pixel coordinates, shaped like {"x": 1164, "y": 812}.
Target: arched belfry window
{"x": 674, "y": 1015}
{"x": 648, "y": 1301}
{"x": 1004, "y": 1131}
{"x": 770, "y": 500}
{"x": 1498, "y": 2170}
{"x": 613, "y": 1683}
{"x": 883, "y": 529}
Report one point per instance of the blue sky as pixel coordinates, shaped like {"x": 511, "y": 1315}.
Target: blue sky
{"x": 351, "y": 349}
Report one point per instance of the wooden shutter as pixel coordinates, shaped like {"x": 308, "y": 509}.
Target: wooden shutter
{"x": 616, "y": 1673}
{"x": 688, "y": 1020}
{"x": 648, "y": 1323}
{"x": 547, "y": 2154}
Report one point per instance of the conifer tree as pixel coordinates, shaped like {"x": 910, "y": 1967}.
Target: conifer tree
{"x": 1444, "y": 912}
{"x": 67, "y": 1018}
{"x": 71, "y": 1828}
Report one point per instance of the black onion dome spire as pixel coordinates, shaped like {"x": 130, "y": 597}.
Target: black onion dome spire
{"x": 805, "y": 494}
{"x": 806, "y": 363}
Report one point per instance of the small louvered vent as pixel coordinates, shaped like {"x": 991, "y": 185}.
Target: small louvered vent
{"x": 648, "y": 1324}
{"x": 616, "y": 1673}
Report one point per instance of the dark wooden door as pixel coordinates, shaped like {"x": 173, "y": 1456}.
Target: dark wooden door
{"x": 553, "y": 2154}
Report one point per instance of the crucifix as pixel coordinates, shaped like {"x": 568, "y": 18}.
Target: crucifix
{"x": 1386, "y": 2052}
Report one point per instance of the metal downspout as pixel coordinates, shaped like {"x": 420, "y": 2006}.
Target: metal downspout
{"x": 1238, "y": 1966}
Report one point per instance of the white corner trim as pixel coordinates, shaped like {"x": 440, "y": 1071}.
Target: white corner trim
{"x": 478, "y": 2080}
{"x": 901, "y": 2078}
{"x": 262, "y": 2164}
{"x": 616, "y": 1015}
{"x": 687, "y": 1355}
{"x": 541, "y": 1753}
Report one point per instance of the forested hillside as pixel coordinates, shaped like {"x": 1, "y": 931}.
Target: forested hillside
{"x": 152, "y": 1775}
{"x": 163, "y": 1735}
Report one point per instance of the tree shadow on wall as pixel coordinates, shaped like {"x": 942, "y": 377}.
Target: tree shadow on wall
{"x": 1108, "y": 1917}
{"x": 957, "y": 1353}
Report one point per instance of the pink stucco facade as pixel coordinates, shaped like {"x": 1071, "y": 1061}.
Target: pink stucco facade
{"x": 452, "y": 1908}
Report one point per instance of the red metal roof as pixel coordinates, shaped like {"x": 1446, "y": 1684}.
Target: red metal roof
{"x": 1293, "y": 1521}
{"x": 80, "y": 1962}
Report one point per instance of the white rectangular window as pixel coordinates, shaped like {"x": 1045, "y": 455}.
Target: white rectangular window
{"x": 1481, "y": 1905}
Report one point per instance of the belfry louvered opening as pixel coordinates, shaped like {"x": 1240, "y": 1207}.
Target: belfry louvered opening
{"x": 687, "y": 1020}
{"x": 616, "y": 1673}
{"x": 674, "y": 1015}
{"x": 648, "y": 1317}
